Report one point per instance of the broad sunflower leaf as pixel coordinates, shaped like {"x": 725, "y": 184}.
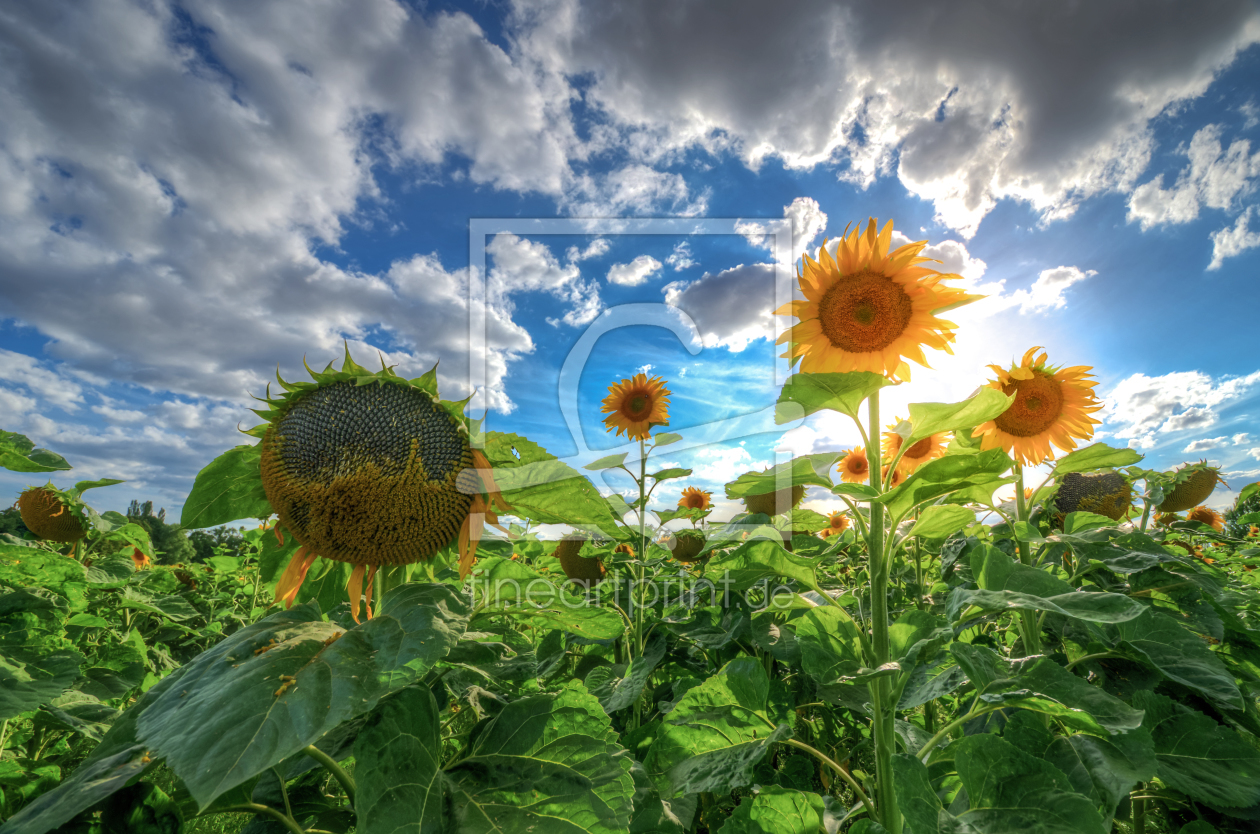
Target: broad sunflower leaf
{"x": 830, "y": 646}
{"x": 806, "y": 470}
{"x": 805, "y": 394}
{"x": 1112, "y": 766}
{"x": 609, "y": 462}
{"x": 32, "y": 567}
{"x": 545, "y": 763}
{"x": 928, "y": 419}
{"x": 776, "y": 810}
{"x": 665, "y": 438}
{"x": 508, "y": 588}
{"x": 228, "y": 489}
{"x": 716, "y": 732}
{"x": 1010, "y": 790}
{"x": 541, "y": 488}
{"x": 942, "y": 521}
{"x": 918, "y": 801}
{"x": 1039, "y": 684}
{"x": 233, "y": 715}
{"x": 117, "y": 668}
{"x": 1091, "y": 607}
{"x": 627, "y": 690}
{"x": 757, "y": 560}
{"x": 398, "y": 767}
{"x": 943, "y": 476}
{"x": 1097, "y": 456}
{"x": 1199, "y": 757}
{"x": 19, "y": 454}
{"x": 37, "y": 662}
{"x": 1180, "y": 656}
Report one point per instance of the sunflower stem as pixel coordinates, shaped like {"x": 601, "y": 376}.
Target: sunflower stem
{"x": 878, "y": 566}
{"x": 1030, "y": 629}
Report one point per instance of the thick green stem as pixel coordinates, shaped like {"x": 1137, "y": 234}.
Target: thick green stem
{"x": 1029, "y": 627}
{"x": 267, "y": 811}
{"x": 1146, "y": 514}
{"x": 844, "y": 774}
{"x": 1139, "y": 816}
{"x": 885, "y": 736}
{"x": 344, "y": 779}
{"x": 4, "y": 732}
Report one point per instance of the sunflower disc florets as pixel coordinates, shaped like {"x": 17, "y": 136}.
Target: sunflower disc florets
{"x": 1195, "y": 484}
{"x": 48, "y": 516}
{"x": 1107, "y": 494}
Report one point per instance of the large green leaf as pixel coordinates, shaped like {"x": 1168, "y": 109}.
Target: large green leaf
{"x": 1097, "y": 456}
{"x": 997, "y": 571}
{"x": 716, "y": 732}
{"x": 232, "y": 716}
{"x": 920, "y": 806}
{"x": 18, "y": 453}
{"x": 831, "y": 648}
{"x": 117, "y": 668}
{"x": 757, "y": 560}
{"x": 1039, "y": 684}
{"x": 545, "y": 763}
{"x": 1111, "y": 767}
{"x": 942, "y": 521}
{"x": 930, "y": 418}
{"x": 1082, "y": 605}
{"x": 806, "y": 394}
{"x": 1012, "y": 791}
{"x": 1199, "y": 757}
{"x": 1180, "y": 656}
{"x": 398, "y": 767}
{"x": 505, "y": 587}
{"x": 945, "y": 475}
{"x": 541, "y": 488}
{"x": 228, "y": 489}
{"x": 37, "y": 663}
{"x": 32, "y": 567}
{"x": 626, "y": 691}
{"x": 806, "y": 470}
{"x": 777, "y": 810}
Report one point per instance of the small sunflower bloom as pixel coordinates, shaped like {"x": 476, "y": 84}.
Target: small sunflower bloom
{"x": 898, "y": 476}
{"x": 854, "y": 467}
{"x": 139, "y": 558}
{"x": 635, "y": 405}
{"x": 869, "y": 309}
{"x": 929, "y": 448}
{"x": 837, "y": 523}
{"x": 1052, "y": 407}
{"x": 1253, "y": 531}
{"x": 1207, "y": 516}
{"x": 694, "y": 498}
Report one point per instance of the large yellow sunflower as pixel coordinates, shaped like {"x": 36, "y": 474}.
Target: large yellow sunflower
{"x": 929, "y": 448}
{"x": 694, "y": 498}
{"x": 636, "y": 405}
{"x": 1052, "y": 406}
{"x": 869, "y": 309}
{"x": 854, "y": 467}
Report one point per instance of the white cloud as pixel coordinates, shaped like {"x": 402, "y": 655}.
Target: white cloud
{"x": 1216, "y": 177}
{"x": 634, "y": 273}
{"x": 1234, "y": 240}
{"x": 1240, "y": 438}
{"x": 732, "y": 308}
{"x": 119, "y": 415}
{"x": 1140, "y": 407}
{"x": 20, "y": 369}
{"x": 1255, "y": 453}
{"x": 1205, "y": 444}
{"x": 522, "y": 265}
{"x": 595, "y": 249}
{"x": 1046, "y": 293}
{"x": 682, "y": 257}
{"x": 807, "y": 218}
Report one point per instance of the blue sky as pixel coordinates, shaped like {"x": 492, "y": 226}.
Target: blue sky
{"x": 194, "y": 194}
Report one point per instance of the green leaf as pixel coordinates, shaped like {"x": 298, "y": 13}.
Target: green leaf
{"x": 997, "y": 571}
{"x": 627, "y": 690}
{"x": 930, "y": 418}
{"x": 540, "y": 488}
{"x": 1079, "y": 522}
{"x": 942, "y": 521}
{"x": 37, "y": 663}
{"x": 806, "y": 394}
{"x": 83, "y": 486}
{"x": 171, "y": 606}
{"x": 1247, "y": 491}
{"x": 1199, "y": 757}
{"x": 545, "y": 763}
{"x": 776, "y": 810}
{"x": 1010, "y": 790}
{"x": 806, "y": 470}
{"x": 30, "y": 567}
{"x": 398, "y": 767}
{"x": 18, "y": 454}
{"x": 78, "y": 712}
{"x": 508, "y": 588}
{"x": 1181, "y": 656}
{"x": 228, "y": 489}
{"x": 757, "y": 560}
{"x": 1097, "y": 456}
{"x": 1112, "y": 767}
{"x": 716, "y": 732}
{"x": 610, "y": 462}
{"x": 945, "y": 475}
{"x": 831, "y": 648}
{"x": 226, "y": 723}
{"x": 118, "y": 668}
{"x": 668, "y": 474}
{"x": 665, "y": 438}
{"x": 919, "y": 803}
{"x": 1091, "y": 607}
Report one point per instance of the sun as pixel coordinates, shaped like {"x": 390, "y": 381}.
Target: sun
{"x": 1052, "y": 407}
{"x": 854, "y": 467}
{"x": 868, "y": 309}
{"x": 635, "y": 405}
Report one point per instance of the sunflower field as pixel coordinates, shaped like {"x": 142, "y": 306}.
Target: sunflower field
{"x": 959, "y": 648}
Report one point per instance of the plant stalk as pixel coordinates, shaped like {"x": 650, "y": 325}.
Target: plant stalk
{"x": 268, "y": 811}
{"x": 844, "y": 774}
{"x": 344, "y": 779}
{"x": 1029, "y": 628}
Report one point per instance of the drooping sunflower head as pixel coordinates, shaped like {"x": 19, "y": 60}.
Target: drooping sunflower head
{"x": 837, "y": 523}
{"x": 51, "y": 514}
{"x": 586, "y": 571}
{"x": 371, "y": 469}
{"x": 687, "y": 545}
{"x": 854, "y": 467}
{"x": 139, "y": 558}
{"x": 919, "y": 453}
{"x": 625, "y": 548}
{"x": 1052, "y": 406}
{"x": 694, "y": 498}
{"x": 1195, "y": 483}
{"x": 869, "y": 309}
{"x": 636, "y": 405}
{"x": 1108, "y": 494}
{"x": 1205, "y": 515}
{"x": 773, "y": 503}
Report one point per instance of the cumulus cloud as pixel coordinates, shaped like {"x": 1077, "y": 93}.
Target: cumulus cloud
{"x": 1216, "y": 177}
{"x": 634, "y": 273}
{"x": 731, "y": 308}
{"x": 807, "y": 218}
{"x": 596, "y": 248}
{"x": 1140, "y": 407}
{"x": 682, "y": 257}
{"x": 1234, "y": 240}
{"x": 1046, "y": 293}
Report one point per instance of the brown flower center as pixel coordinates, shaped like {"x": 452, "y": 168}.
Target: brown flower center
{"x": 919, "y": 449}
{"x": 856, "y": 465}
{"x": 864, "y": 312}
{"x": 638, "y": 407}
{"x": 1038, "y": 403}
